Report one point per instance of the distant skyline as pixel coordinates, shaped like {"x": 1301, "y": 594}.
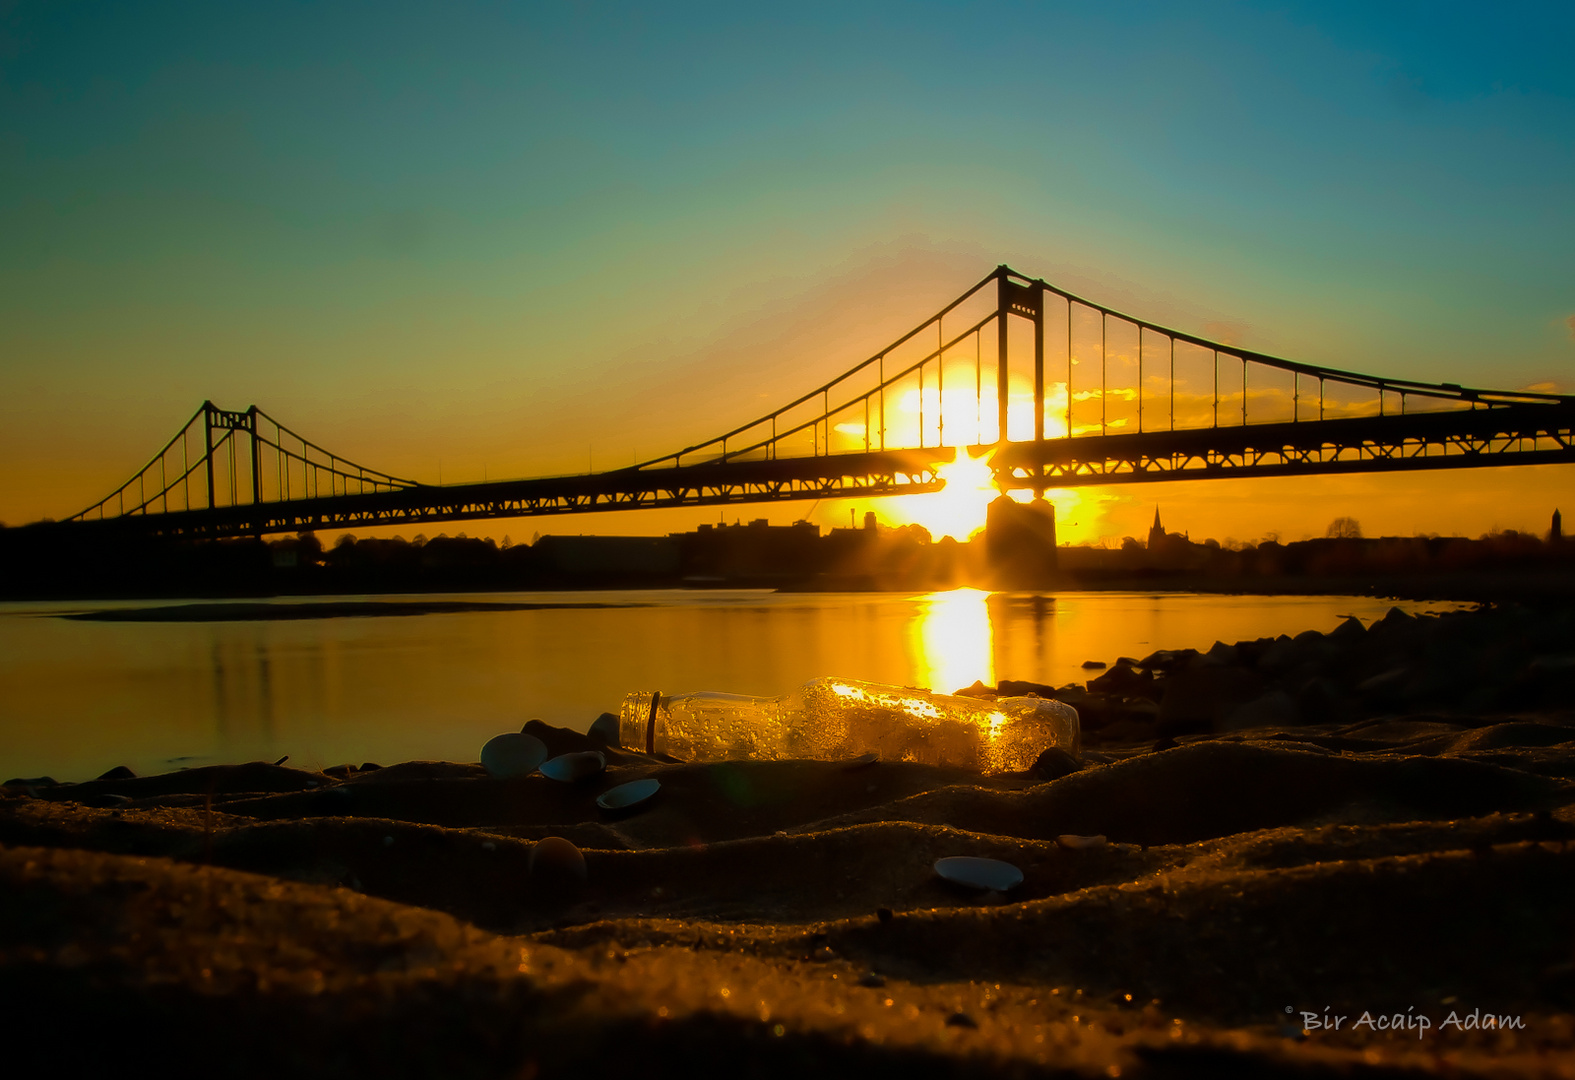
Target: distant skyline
{"x": 521, "y": 239}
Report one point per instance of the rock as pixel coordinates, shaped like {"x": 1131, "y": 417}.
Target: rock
{"x": 1395, "y": 617}
{"x": 1053, "y": 764}
{"x": 1384, "y": 684}
{"x": 1094, "y": 665}
{"x": 1219, "y": 655}
{"x": 604, "y": 730}
{"x": 1094, "y": 711}
{"x": 1282, "y": 655}
{"x": 977, "y": 690}
{"x": 1016, "y": 688}
{"x": 1274, "y": 709}
{"x": 1124, "y": 680}
{"x": 1307, "y": 637}
{"x": 1349, "y": 631}
{"x": 32, "y": 782}
{"x": 558, "y": 740}
{"x": 1167, "y": 659}
{"x": 1200, "y": 698}
{"x": 119, "y": 772}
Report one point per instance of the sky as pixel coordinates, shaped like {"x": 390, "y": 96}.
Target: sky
{"x": 503, "y": 240}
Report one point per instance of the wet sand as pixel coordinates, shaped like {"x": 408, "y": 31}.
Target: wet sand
{"x": 775, "y": 918}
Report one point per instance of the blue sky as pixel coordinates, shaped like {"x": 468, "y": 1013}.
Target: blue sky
{"x": 471, "y": 234}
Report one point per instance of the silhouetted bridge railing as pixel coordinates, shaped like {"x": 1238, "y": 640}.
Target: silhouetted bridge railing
{"x": 1058, "y": 390}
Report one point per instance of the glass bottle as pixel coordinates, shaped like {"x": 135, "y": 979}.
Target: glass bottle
{"x": 833, "y": 719}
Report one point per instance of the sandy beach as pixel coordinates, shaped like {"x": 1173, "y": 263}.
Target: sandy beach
{"x": 1320, "y": 856}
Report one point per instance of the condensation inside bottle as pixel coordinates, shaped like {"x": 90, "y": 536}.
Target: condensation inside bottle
{"x": 833, "y": 719}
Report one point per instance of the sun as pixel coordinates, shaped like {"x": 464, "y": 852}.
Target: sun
{"x": 959, "y": 509}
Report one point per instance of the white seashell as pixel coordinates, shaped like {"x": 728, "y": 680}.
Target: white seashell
{"x": 1079, "y": 843}
{"x": 863, "y": 761}
{"x": 512, "y": 754}
{"x": 626, "y": 795}
{"x": 578, "y": 766}
{"x": 978, "y": 873}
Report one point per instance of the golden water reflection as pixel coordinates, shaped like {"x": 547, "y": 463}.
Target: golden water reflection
{"x": 954, "y": 640}
{"x": 77, "y": 698}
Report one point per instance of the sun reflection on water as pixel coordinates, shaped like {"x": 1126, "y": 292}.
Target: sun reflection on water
{"x": 951, "y": 639}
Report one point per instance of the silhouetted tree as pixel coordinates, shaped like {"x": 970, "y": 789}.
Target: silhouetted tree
{"x": 1344, "y": 528}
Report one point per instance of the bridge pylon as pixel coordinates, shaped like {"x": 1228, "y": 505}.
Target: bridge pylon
{"x": 1026, "y": 301}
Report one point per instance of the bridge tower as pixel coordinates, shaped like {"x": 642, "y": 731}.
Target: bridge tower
{"x": 1026, "y": 301}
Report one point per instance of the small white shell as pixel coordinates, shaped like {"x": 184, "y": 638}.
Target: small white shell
{"x": 626, "y": 795}
{"x": 978, "y": 873}
{"x": 1073, "y": 842}
{"x": 567, "y": 767}
{"x": 863, "y": 761}
{"x": 512, "y": 754}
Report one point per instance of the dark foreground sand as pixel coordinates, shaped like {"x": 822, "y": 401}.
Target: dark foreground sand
{"x": 783, "y": 919}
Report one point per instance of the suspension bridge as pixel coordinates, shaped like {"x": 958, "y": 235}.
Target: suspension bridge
{"x": 1052, "y": 389}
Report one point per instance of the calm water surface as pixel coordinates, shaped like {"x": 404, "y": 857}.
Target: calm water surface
{"x": 77, "y": 698}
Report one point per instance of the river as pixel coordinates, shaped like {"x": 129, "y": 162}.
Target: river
{"x": 79, "y": 697}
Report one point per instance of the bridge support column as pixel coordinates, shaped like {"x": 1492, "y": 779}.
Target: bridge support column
{"x": 1003, "y": 307}
{"x": 207, "y": 426}
{"x": 1027, "y": 302}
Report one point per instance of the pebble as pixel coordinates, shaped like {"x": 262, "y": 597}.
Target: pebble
{"x": 512, "y": 754}
{"x": 976, "y": 873}
{"x": 625, "y": 796}
{"x": 577, "y": 766}
{"x": 553, "y": 856}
